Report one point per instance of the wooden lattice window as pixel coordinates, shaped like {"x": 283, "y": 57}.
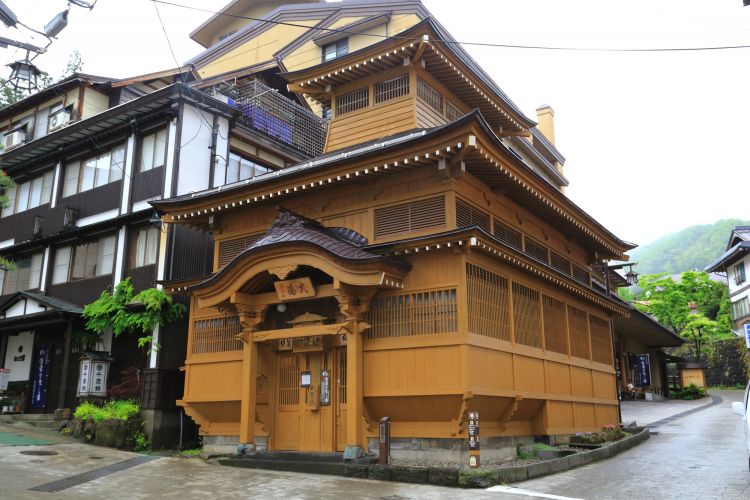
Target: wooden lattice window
{"x": 391, "y": 89}
{"x": 560, "y": 263}
{"x": 230, "y": 249}
{"x": 216, "y": 335}
{"x": 352, "y": 101}
{"x": 527, "y": 315}
{"x": 341, "y": 353}
{"x": 489, "y": 303}
{"x": 581, "y": 275}
{"x": 555, "y": 329}
{"x": 452, "y": 113}
{"x": 468, "y": 216}
{"x": 411, "y": 314}
{"x": 288, "y": 379}
{"x": 578, "y": 329}
{"x": 601, "y": 348}
{"x": 430, "y": 95}
{"x": 506, "y": 234}
{"x": 535, "y": 249}
{"x": 408, "y": 217}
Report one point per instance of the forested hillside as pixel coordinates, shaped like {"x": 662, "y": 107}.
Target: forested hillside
{"x": 691, "y": 248}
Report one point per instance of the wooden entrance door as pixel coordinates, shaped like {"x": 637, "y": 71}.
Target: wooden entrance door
{"x": 339, "y": 392}
{"x": 287, "y": 423}
{"x": 302, "y": 422}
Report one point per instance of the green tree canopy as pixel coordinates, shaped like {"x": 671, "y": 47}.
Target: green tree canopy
{"x": 696, "y": 307}
{"x": 124, "y": 311}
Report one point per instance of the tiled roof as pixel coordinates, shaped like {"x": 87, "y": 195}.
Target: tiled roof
{"x": 51, "y": 302}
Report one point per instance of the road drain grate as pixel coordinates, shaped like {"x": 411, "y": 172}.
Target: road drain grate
{"x": 71, "y": 481}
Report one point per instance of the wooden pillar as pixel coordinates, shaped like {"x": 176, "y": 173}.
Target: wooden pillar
{"x": 355, "y": 432}
{"x": 66, "y": 364}
{"x": 250, "y": 319}
{"x": 353, "y": 304}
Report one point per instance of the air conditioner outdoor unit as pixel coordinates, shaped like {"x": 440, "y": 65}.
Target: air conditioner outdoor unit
{"x": 14, "y": 139}
{"x": 59, "y": 120}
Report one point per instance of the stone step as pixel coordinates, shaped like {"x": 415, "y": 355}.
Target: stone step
{"x": 44, "y": 424}
{"x": 27, "y": 417}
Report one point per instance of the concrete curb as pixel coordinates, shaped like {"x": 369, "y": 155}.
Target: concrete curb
{"x": 466, "y": 478}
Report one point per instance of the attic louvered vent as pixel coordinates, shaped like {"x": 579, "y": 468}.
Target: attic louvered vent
{"x": 468, "y": 216}
{"x": 507, "y": 235}
{"x": 230, "y": 249}
{"x": 581, "y": 275}
{"x": 408, "y": 217}
{"x": 536, "y": 250}
{"x": 560, "y": 263}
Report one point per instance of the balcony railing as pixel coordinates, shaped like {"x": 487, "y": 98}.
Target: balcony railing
{"x": 269, "y": 112}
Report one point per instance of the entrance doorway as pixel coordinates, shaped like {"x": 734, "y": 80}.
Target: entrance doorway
{"x": 311, "y": 418}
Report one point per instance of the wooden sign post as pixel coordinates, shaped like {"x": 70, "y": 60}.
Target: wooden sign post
{"x": 473, "y": 439}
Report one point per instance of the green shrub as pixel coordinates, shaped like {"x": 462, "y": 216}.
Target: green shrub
{"x": 140, "y": 443}
{"x": 121, "y": 410}
{"x": 692, "y": 392}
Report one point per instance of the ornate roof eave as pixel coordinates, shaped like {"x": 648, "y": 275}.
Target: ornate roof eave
{"x": 470, "y": 137}
{"x": 421, "y": 41}
{"x": 475, "y": 238}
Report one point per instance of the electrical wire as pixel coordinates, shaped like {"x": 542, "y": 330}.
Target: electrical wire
{"x": 454, "y": 42}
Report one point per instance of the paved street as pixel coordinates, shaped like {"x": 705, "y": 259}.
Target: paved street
{"x": 699, "y": 455}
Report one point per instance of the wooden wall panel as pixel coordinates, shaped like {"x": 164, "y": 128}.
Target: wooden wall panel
{"x": 489, "y": 369}
{"x": 604, "y": 385}
{"x": 606, "y": 415}
{"x": 559, "y": 414}
{"x": 529, "y": 374}
{"x": 584, "y": 415}
{"x": 370, "y": 123}
{"x": 409, "y": 371}
{"x": 558, "y": 378}
{"x": 215, "y": 381}
{"x": 360, "y": 221}
{"x": 426, "y": 267}
{"x": 428, "y": 117}
{"x": 581, "y": 381}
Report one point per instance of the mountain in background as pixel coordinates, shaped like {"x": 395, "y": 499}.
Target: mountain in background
{"x": 692, "y": 248}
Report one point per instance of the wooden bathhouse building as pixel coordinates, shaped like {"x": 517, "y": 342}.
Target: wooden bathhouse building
{"x": 425, "y": 264}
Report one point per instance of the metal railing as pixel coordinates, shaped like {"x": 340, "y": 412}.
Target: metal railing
{"x": 269, "y": 112}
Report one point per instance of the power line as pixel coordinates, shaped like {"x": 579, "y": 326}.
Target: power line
{"x": 454, "y": 42}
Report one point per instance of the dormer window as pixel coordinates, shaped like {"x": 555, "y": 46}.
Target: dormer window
{"x": 336, "y": 49}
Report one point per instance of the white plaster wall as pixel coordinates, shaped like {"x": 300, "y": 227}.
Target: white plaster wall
{"x": 195, "y": 139}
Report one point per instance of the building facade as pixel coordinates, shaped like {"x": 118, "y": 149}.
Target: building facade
{"x": 424, "y": 265}
{"x": 734, "y": 262}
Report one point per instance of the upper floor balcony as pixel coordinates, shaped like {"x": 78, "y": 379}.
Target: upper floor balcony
{"x": 266, "y": 110}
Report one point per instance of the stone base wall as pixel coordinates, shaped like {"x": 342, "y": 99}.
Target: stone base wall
{"x": 450, "y": 450}
{"x": 220, "y": 445}
{"x": 169, "y": 429}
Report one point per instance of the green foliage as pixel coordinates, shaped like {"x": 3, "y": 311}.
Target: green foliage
{"x": 195, "y": 452}
{"x": 692, "y": 392}
{"x": 692, "y": 248}
{"x": 126, "y": 312}
{"x": 670, "y": 302}
{"x": 120, "y": 410}
{"x": 140, "y": 442}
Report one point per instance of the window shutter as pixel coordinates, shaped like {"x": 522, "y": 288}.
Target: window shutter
{"x": 560, "y": 263}
{"x": 536, "y": 250}
{"x": 507, "y": 235}
{"x": 581, "y": 275}
{"x": 468, "y": 216}
{"x": 412, "y": 216}
{"x": 230, "y": 249}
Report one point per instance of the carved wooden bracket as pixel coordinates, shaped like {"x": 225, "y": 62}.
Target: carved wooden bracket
{"x": 250, "y": 319}
{"x": 354, "y": 302}
{"x": 458, "y": 425}
{"x": 283, "y": 271}
{"x": 508, "y": 413}
{"x": 368, "y": 419}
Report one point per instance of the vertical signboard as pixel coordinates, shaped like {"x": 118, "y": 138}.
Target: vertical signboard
{"x": 642, "y": 370}
{"x": 18, "y": 356}
{"x": 325, "y": 388}
{"x": 473, "y": 439}
{"x": 41, "y": 378}
{"x": 747, "y": 335}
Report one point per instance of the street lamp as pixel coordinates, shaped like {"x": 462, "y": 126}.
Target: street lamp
{"x": 23, "y": 75}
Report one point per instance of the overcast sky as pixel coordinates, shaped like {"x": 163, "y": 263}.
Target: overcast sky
{"x": 654, "y": 142}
